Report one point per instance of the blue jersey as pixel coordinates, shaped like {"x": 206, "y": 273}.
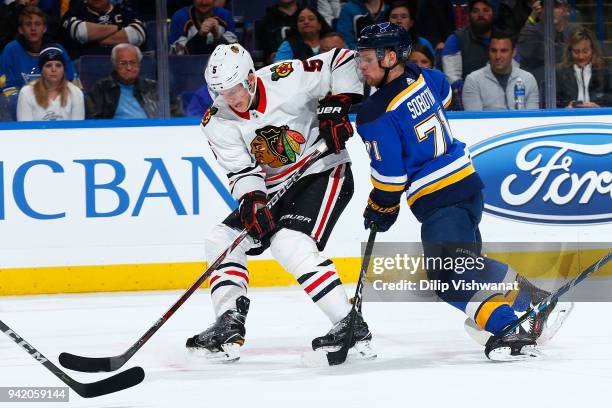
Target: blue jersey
{"x": 411, "y": 147}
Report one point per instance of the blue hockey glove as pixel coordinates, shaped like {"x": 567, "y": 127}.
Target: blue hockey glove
{"x": 380, "y": 213}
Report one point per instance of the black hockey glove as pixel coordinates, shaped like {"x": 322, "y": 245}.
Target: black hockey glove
{"x": 381, "y": 213}
{"x": 334, "y": 125}
{"x": 254, "y": 214}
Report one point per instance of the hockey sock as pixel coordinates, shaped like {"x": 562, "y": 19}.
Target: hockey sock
{"x": 231, "y": 279}
{"x": 298, "y": 254}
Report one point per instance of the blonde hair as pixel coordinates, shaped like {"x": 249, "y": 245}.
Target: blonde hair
{"x": 583, "y": 34}
{"x": 41, "y": 93}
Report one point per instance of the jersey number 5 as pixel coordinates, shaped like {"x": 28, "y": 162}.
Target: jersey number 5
{"x": 314, "y": 65}
{"x": 437, "y": 125}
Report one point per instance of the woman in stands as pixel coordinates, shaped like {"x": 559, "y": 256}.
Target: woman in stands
{"x": 305, "y": 37}
{"x": 583, "y": 79}
{"x": 421, "y": 55}
{"x": 51, "y": 97}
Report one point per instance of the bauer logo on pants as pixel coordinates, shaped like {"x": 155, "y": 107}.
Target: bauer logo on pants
{"x": 557, "y": 174}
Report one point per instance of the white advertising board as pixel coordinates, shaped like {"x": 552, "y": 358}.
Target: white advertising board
{"x": 130, "y": 195}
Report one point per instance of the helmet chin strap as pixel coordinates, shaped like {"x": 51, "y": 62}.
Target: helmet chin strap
{"x": 383, "y": 81}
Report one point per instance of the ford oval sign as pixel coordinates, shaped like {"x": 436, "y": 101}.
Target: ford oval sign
{"x": 557, "y": 174}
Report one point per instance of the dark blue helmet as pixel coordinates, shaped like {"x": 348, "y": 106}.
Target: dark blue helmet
{"x": 385, "y": 36}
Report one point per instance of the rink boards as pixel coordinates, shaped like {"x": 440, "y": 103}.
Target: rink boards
{"x": 86, "y": 208}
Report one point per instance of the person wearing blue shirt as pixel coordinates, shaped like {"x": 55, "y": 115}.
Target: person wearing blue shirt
{"x": 19, "y": 59}
{"x": 413, "y": 151}
{"x": 356, "y": 14}
{"x": 198, "y": 29}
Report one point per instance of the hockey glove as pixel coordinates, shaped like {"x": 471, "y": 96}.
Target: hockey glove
{"x": 334, "y": 125}
{"x": 380, "y": 213}
{"x": 254, "y": 214}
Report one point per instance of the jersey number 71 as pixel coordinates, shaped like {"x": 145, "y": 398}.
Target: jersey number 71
{"x": 435, "y": 124}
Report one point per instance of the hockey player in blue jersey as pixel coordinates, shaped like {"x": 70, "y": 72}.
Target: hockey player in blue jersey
{"x": 412, "y": 150}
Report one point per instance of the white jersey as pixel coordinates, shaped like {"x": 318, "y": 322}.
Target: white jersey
{"x": 261, "y": 148}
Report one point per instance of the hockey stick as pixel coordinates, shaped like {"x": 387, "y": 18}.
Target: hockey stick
{"x": 96, "y": 364}
{"x": 339, "y": 356}
{"x": 117, "y": 382}
{"x": 553, "y": 297}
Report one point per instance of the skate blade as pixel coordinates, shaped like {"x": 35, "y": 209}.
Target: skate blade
{"x": 555, "y": 321}
{"x": 362, "y": 350}
{"x": 230, "y": 353}
{"x": 505, "y": 354}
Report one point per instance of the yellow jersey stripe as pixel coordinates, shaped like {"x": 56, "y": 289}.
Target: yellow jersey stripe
{"x": 405, "y": 92}
{"x": 444, "y": 182}
{"x": 387, "y": 187}
{"x": 488, "y": 307}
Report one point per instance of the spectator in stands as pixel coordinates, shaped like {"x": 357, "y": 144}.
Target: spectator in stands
{"x": 330, "y": 10}
{"x": 583, "y": 79}
{"x": 531, "y": 40}
{"x": 513, "y": 14}
{"x": 5, "y": 109}
{"x": 357, "y": 14}
{"x": 198, "y": 29}
{"x": 124, "y": 94}
{"x": 436, "y": 20}
{"x": 330, "y": 41}
{"x": 200, "y": 102}
{"x": 421, "y": 55}
{"x": 272, "y": 29}
{"x": 492, "y": 87}
{"x": 98, "y": 27}
{"x": 19, "y": 62}
{"x": 467, "y": 50}
{"x": 9, "y": 19}
{"x": 51, "y": 97}
{"x": 305, "y": 38}
{"x": 400, "y": 13}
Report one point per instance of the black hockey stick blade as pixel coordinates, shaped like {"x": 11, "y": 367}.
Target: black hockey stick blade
{"x": 91, "y": 364}
{"x": 117, "y": 382}
{"x": 339, "y": 356}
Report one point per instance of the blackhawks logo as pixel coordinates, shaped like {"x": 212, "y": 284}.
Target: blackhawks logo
{"x": 276, "y": 146}
{"x": 208, "y": 114}
{"x": 282, "y": 70}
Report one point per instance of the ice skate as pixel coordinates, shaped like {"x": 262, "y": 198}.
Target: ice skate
{"x": 334, "y": 339}
{"x": 545, "y": 325}
{"x": 514, "y": 346}
{"x": 221, "y": 342}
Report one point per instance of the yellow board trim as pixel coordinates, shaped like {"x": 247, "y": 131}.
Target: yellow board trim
{"x": 263, "y": 273}
{"x": 387, "y": 187}
{"x": 440, "y": 184}
{"x": 110, "y": 278}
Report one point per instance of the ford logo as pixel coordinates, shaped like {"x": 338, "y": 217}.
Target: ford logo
{"x": 556, "y": 174}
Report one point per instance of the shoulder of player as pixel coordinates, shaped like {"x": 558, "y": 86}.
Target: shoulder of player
{"x": 377, "y": 105}
{"x": 217, "y": 118}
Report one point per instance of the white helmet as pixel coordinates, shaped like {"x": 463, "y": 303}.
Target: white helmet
{"x": 228, "y": 66}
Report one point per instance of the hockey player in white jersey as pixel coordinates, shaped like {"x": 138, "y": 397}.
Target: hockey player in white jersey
{"x": 262, "y": 128}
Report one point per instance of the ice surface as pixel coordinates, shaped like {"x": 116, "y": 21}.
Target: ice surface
{"x": 425, "y": 357}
